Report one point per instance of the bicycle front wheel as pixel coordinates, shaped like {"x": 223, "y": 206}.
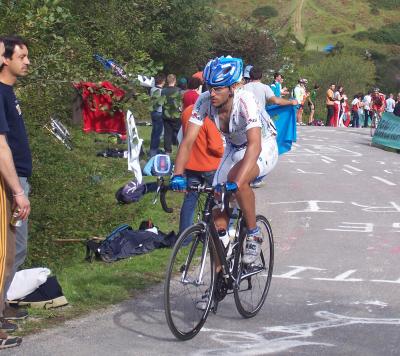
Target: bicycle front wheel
{"x": 254, "y": 279}
{"x": 189, "y": 283}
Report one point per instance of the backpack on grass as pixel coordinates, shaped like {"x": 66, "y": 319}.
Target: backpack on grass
{"x": 94, "y": 247}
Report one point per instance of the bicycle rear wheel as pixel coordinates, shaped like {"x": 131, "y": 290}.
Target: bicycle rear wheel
{"x": 255, "y": 278}
{"x": 374, "y": 124}
{"x": 189, "y": 280}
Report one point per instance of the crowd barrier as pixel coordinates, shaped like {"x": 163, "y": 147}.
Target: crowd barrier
{"x": 388, "y": 131}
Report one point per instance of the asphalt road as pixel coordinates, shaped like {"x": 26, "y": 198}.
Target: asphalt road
{"x": 334, "y": 206}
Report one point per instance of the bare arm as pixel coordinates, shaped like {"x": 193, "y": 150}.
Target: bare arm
{"x": 249, "y": 161}
{"x": 8, "y": 172}
{"x": 281, "y": 101}
{"x": 185, "y": 147}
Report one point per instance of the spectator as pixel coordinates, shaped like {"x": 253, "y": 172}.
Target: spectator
{"x": 311, "y": 103}
{"x": 355, "y": 108}
{"x": 246, "y": 74}
{"x": 156, "y": 115}
{"x": 330, "y": 102}
{"x": 276, "y": 86}
{"x": 338, "y": 107}
{"x": 390, "y": 103}
{"x": 15, "y": 169}
{"x": 396, "y": 110}
{"x": 367, "y": 108}
{"x": 193, "y": 92}
{"x": 171, "y": 116}
{"x": 262, "y": 92}
{"x": 300, "y": 95}
{"x": 199, "y": 73}
{"x": 204, "y": 160}
{"x": 182, "y": 84}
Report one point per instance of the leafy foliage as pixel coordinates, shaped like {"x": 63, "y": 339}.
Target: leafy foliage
{"x": 265, "y": 12}
{"x": 387, "y": 34}
{"x": 242, "y": 39}
{"x": 352, "y": 72}
{"x": 384, "y": 4}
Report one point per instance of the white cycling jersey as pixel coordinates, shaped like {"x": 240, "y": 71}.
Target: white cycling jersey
{"x": 244, "y": 116}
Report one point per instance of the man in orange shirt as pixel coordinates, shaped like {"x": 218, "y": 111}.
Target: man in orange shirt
{"x": 204, "y": 160}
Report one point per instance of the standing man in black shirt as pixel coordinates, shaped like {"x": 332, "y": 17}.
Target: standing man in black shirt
{"x": 15, "y": 154}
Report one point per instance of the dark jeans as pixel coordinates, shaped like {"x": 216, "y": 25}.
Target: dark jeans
{"x": 190, "y": 201}
{"x": 171, "y": 129}
{"x": 329, "y": 115}
{"x": 367, "y": 116}
{"x": 156, "y": 131}
{"x": 356, "y": 119}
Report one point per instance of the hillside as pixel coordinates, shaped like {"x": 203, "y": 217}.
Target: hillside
{"x": 321, "y": 22}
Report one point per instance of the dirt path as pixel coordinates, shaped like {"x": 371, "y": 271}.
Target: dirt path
{"x": 298, "y": 30}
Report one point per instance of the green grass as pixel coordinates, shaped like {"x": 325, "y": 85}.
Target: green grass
{"x": 73, "y": 197}
{"x": 90, "y": 286}
{"x": 323, "y": 22}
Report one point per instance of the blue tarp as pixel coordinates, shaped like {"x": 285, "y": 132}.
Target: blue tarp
{"x": 328, "y": 48}
{"x": 284, "y": 118}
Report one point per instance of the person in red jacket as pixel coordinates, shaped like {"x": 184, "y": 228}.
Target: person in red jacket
{"x": 204, "y": 160}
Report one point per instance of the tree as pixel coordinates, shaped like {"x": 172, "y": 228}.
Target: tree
{"x": 354, "y": 73}
{"x": 241, "y": 39}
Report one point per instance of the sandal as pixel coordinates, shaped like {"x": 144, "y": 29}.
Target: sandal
{"x": 7, "y": 342}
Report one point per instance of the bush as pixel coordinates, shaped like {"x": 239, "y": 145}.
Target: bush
{"x": 266, "y": 12}
{"x": 384, "y": 4}
{"x": 241, "y": 39}
{"x": 353, "y": 72}
{"x": 387, "y": 34}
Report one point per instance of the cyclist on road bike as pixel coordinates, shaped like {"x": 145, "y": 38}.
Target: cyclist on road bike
{"x": 378, "y": 102}
{"x": 251, "y": 150}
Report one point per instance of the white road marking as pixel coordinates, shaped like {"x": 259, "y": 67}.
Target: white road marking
{"x": 384, "y": 180}
{"x": 308, "y": 150}
{"x": 387, "y": 171}
{"x": 304, "y": 172}
{"x": 353, "y": 168}
{"x": 278, "y": 339}
{"x": 324, "y": 160}
{"x": 329, "y": 158}
{"x": 381, "y": 162}
{"x": 349, "y": 172}
{"x": 386, "y": 281}
{"x": 342, "y": 277}
{"x": 355, "y": 161}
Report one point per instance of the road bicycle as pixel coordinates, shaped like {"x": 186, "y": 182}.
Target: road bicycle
{"x": 374, "y": 122}
{"x": 193, "y": 286}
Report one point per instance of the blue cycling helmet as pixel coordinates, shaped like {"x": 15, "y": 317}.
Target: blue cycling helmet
{"x": 223, "y": 71}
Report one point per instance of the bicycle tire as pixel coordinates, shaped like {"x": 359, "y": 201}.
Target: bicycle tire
{"x": 374, "y": 124}
{"x": 248, "y": 301}
{"x": 182, "y": 293}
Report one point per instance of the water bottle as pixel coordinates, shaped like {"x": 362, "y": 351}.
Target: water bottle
{"x": 224, "y": 237}
{"x": 232, "y": 223}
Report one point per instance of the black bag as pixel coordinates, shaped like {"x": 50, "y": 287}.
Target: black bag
{"x": 93, "y": 245}
{"x": 46, "y": 296}
{"x": 130, "y": 192}
{"x": 124, "y": 242}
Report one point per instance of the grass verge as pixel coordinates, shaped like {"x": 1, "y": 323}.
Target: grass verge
{"x": 73, "y": 197}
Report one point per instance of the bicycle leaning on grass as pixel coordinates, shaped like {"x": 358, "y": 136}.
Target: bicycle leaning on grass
{"x": 193, "y": 286}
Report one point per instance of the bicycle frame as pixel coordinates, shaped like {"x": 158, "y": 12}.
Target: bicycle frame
{"x": 213, "y": 243}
